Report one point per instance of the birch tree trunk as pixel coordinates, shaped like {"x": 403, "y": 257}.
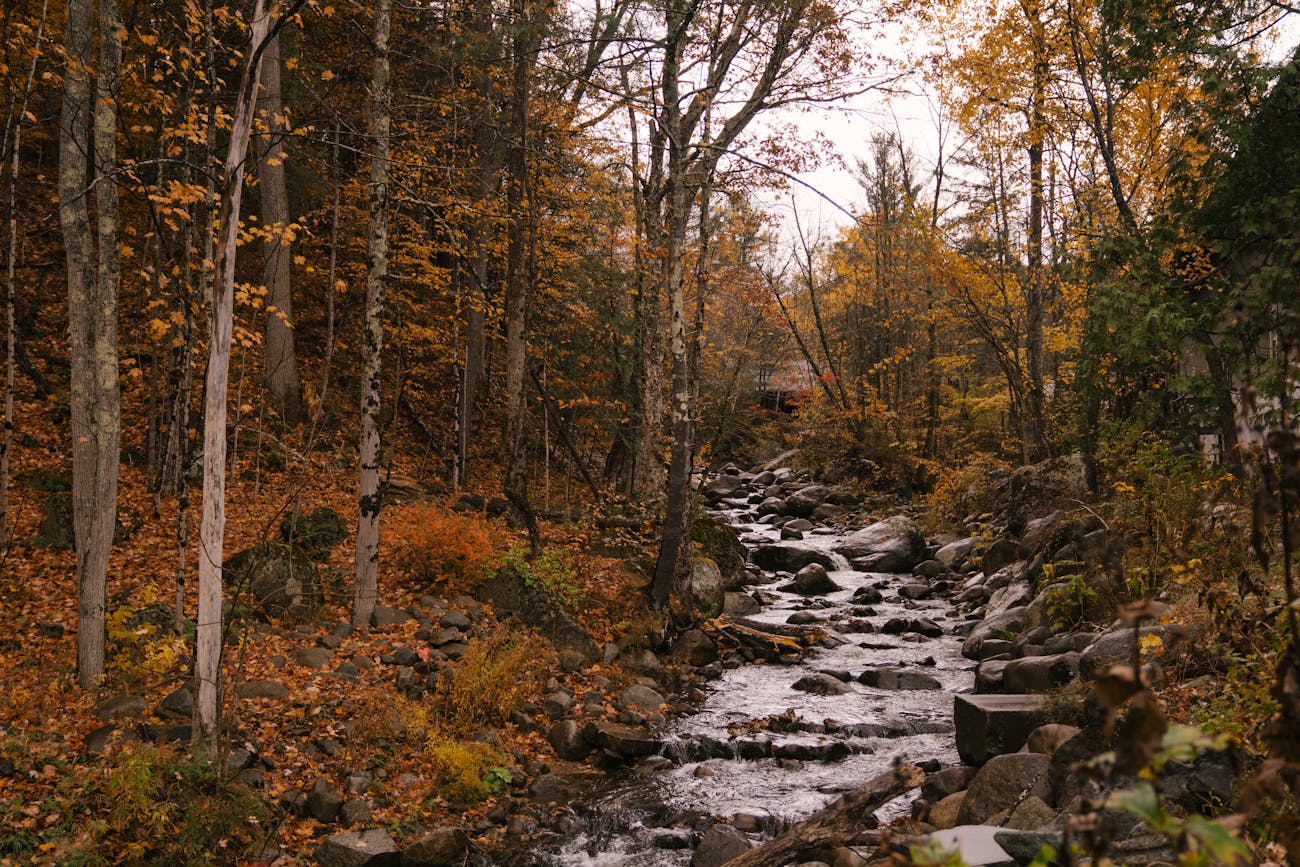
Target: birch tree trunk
{"x": 281, "y": 361}
{"x": 366, "y": 583}
{"x": 220, "y": 321}
{"x": 13, "y": 147}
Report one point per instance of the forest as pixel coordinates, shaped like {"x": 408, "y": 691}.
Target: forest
{"x": 410, "y": 411}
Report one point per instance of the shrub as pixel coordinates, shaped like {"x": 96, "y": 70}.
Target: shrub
{"x": 466, "y": 771}
{"x": 550, "y": 570}
{"x": 961, "y": 493}
{"x": 445, "y": 546}
{"x": 494, "y": 678}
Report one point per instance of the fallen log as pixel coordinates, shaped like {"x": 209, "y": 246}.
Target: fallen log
{"x": 805, "y": 634}
{"x": 766, "y": 644}
{"x": 836, "y": 823}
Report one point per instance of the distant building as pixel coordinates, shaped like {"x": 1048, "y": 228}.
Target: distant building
{"x": 784, "y": 384}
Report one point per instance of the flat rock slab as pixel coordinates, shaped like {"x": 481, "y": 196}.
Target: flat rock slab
{"x": 897, "y": 678}
{"x": 975, "y": 844}
{"x": 991, "y": 725}
{"x": 374, "y": 848}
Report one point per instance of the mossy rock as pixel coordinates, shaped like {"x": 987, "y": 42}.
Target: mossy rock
{"x": 719, "y": 542}
{"x": 322, "y": 530}
{"x": 279, "y": 580}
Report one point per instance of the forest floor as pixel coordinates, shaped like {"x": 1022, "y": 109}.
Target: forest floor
{"x": 428, "y": 764}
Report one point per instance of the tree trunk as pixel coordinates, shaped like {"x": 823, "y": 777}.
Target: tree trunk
{"x": 13, "y": 144}
{"x": 1035, "y": 291}
{"x": 519, "y": 276}
{"x": 281, "y": 362}
{"x": 212, "y": 528}
{"x": 366, "y": 585}
{"x": 92, "y": 314}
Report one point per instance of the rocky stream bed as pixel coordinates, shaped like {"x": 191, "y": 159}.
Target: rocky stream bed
{"x": 844, "y": 663}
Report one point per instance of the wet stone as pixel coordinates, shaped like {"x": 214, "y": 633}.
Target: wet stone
{"x": 821, "y": 684}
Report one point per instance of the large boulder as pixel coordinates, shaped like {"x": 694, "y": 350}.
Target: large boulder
{"x": 992, "y": 725}
{"x": 322, "y": 530}
{"x": 803, "y": 502}
{"x": 1161, "y": 642}
{"x": 508, "y": 594}
{"x": 441, "y": 847}
{"x": 1047, "y": 533}
{"x": 280, "y": 579}
{"x": 789, "y": 557}
{"x": 723, "y": 486}
{"x": 1040, "y": 673}
{"x": 892, "y": 545}
{"x": 1002, "y": 782}
{"x": 720, "y": 542}
{"x": 811, "y": 580}
{"x": 1001, "y": 553}
{"x": 954, "y": 554}
{"x": 1056, "y": 482}
{"x": 704, "y": 588}
{"x": 1006, "y": 625}
{"x": 373, "y": 848}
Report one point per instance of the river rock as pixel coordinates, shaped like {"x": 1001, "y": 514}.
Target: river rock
{"x": 1116, "y": 646}
{"x": 811, "y": 580}
{"x": 943, "y": 815}
{"x": 1029, "y": 815}
{"x": 695, "y": 648}
{"x": 1206, "y": 785}
{"x": 740, "y": 604}
{"x": 915, "y": 591}
{"x": 441, "y": 847}
{"x": 568, "y": 742}
{"x": 821, "y": 684}
{"x": 1006, "y": 624}
{"x": 1000, "y": 784}
{"x": 789, "y": 557}
{"x": 931, "y": 569}
{"x": 892, "y": 545}
{"x": 948, "y": 781}
{"x": 899, "y": 679}
{"x": 954, "y": 554}
{"x": 704, "y": 588}
{"x": 626, "y": 742}
{"x": 991, "y": 725}
{"x": 509, "y": 594}
{"x": 718, "y": 845}
{"x": 720, "y": 487}
{"x": 373, "y": 848}
{"x": 1024, "y": 846}
{"x": 1001, "y": 553}
{"x": 281, "y": 580}
{"x": 1013, "y": 595}
{"x": 643, "y": 697}
{"x": 868, "y": 595}
{"x": 990, "y": 676}
{"x": 803, "y": 502}
{"x": 1041, "y": 534}
{"x": 1040, "y": 673}
{"x": 917, "y": 625}
{"x": 1046, "y": 739}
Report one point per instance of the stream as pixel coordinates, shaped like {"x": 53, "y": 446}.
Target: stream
{"x": 722, "y": 765}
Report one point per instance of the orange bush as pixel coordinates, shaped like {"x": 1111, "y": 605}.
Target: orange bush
{"x": 444, "y": 546}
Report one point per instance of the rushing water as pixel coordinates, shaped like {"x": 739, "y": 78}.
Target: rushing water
{"x": 627, "y": 818}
